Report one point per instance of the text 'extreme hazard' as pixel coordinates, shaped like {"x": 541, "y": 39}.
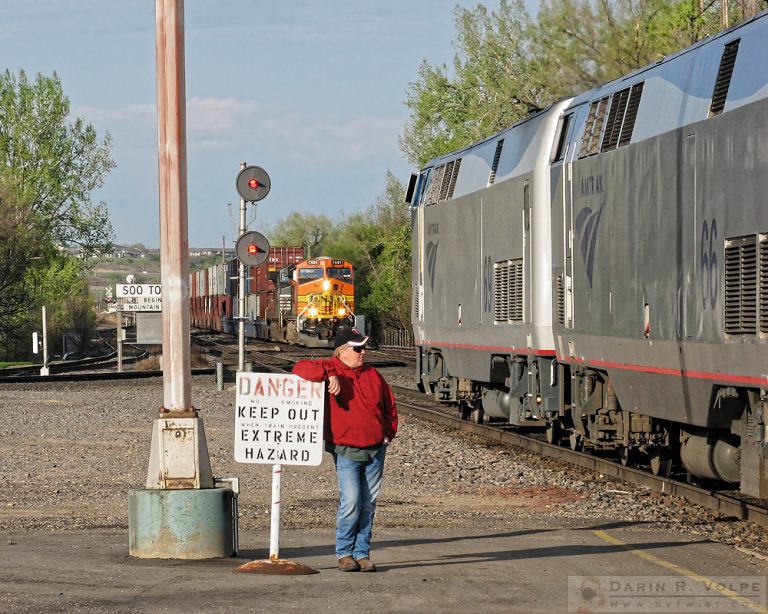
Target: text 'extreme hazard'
{"x": 278, "y": 419}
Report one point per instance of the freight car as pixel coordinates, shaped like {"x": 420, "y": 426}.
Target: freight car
{"x": 600, "y": 269}
{"x": 287, "y": 299}
{"x": 214, "y": 292}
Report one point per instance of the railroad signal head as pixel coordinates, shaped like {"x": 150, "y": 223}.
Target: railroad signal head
{"x": 252, "y": 183}
{"x": 252, "y": 248}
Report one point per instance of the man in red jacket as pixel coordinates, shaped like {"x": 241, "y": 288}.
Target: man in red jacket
{"x": 360, "y": 421}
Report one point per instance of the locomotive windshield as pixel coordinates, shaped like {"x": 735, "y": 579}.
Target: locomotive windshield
{"x": 310, "y": 274}
{"x": 344, "y": 274}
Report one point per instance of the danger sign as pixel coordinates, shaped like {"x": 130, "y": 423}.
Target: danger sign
{"x": 278, "y": 419}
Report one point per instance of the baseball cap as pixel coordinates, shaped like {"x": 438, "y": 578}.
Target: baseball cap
{"x": 351, "y": 336}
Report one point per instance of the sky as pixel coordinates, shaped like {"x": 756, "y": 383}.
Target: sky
{"x": 312, "y": 91}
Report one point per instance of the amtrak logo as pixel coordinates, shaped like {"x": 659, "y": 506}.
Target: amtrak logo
{"x": 431, "y": 260}
{"x": 587, "y": 223}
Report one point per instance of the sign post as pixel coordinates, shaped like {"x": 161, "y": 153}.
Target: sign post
{"x": 279, "y": 421}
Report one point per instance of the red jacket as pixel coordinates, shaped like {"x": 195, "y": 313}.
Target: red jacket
{"x": 363, "y": 413}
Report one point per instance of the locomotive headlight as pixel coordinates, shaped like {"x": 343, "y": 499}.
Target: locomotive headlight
{"x": 312, "y": 312}
{"x": 342, "y": 312}
{"x": 326, "y": 285}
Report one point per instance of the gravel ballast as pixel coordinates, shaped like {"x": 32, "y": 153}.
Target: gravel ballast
{"x": 70, "y": 452}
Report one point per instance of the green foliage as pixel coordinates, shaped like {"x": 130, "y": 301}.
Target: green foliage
{"x": 492, "y": 88}
{"x": 62, "y": 287}
{"x": 48, "y": 167}
{"x": 53, "y": 164}
{"x": 309, "y": 231}
{"x": 19, "y": 250}
{"x": 380, "y": 244}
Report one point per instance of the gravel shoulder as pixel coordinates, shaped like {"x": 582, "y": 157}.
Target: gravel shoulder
{"x": 71, "y": 453}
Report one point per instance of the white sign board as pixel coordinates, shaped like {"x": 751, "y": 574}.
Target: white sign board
{"x": 139, "y": 297}
{"x": 278, "y": 419}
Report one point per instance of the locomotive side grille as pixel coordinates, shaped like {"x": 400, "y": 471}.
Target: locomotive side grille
{"x": 615, "y": 120}
{"x": 764, "y": 283}
{"x": 454, "y": 177}
{"x": 584, "y": 149}
{"x": 496, "y": 158}
{"x": 560, "y": 299}
{"x": 434, "y": 186}
{"x": 723, "y": 81}
{"x": 594, "y": 143}
{"x": 508, "y": 291}
{"x": 446, "y": 180}
{"x": 631, "y": 114}
{"x": 740, "y": 286}
{"x": 590, "y": 141}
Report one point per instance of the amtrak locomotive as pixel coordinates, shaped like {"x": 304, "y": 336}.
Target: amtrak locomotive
{"x": 600, "y": 269}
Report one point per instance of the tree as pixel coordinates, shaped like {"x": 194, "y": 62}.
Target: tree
{"x": 62, "y": 287}
{"x": 378, "y": 243}
{"x": 48, "y": 167}
{"x": 20, "y": 249}
{"x": 309, "y": 231}
{"x": 53, "y": 164}
{"x": 494, "y": 84}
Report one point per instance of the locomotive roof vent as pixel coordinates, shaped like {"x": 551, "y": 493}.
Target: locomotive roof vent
{"x": 723, "y": 81}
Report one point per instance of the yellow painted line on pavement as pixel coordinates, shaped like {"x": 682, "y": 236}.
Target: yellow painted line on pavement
{"x": 747, "y": 603}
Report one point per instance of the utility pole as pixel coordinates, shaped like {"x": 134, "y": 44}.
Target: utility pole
{"x": 180, "y": 514}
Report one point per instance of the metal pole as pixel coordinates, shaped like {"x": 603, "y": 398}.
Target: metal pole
{"x": 241, "y": 293}
{"x": 172, "y": 167}
{"x": 119, "y": 315}
{"x": 44, "y": 370}
{"x": 274, "y": 533}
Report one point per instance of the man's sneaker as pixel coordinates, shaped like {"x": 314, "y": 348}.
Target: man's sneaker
{"x": 365, "y": 564}
{"x": 347, "y": 563}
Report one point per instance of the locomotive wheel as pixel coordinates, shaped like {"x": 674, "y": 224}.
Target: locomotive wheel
{"x": 553, "y": 432}
{"x": 661, "y": 462}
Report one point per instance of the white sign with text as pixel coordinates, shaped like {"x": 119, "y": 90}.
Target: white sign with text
{"x": 139, "y": 297}
{"x": 278, "y": 419}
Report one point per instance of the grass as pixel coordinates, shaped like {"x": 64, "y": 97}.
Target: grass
{"x": 4, "y": 365}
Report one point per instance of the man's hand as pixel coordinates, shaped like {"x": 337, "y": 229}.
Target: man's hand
{"x": 333, "y": 385}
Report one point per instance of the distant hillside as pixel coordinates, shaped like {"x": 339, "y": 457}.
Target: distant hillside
{"x": 146, "y": 270}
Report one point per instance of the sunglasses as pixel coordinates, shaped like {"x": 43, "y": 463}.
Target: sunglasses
{"x": 358, "y": 348}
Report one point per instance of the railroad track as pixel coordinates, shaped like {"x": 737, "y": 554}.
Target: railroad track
{"x": 266, "y": 356}
{"x": 278, "y": 356}
{"x": 730, "y": 504}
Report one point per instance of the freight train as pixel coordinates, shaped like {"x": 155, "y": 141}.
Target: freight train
{"x": 600, "y": 269}
{"x": 288, "y": 298}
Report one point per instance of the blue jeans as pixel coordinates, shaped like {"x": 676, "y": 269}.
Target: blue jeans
{"x": 359, "y": 486}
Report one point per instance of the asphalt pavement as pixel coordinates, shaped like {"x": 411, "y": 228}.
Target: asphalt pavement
{"x": 539, "y": 569}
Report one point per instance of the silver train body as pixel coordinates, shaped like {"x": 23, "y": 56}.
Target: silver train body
{"x": 600, "y": 269}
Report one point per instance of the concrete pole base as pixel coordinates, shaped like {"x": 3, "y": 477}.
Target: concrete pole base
{"x": 181, "y": 524}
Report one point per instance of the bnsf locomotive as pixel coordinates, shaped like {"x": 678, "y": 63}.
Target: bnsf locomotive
{"x": 600, "y": 269}
{"x": 288, "y": 298}
{"x": 313, "y": 299}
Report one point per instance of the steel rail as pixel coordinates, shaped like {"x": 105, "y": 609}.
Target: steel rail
{"x": 725, "y": 503}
